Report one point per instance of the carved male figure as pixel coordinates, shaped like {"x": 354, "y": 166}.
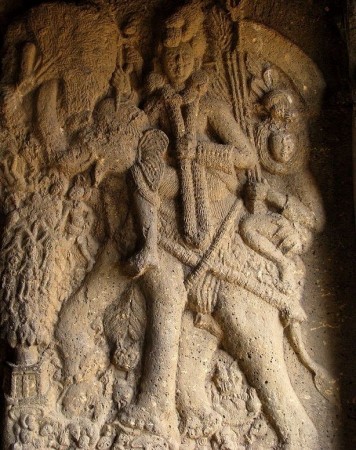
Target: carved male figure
{"x": 206, "y": 146}
{"x": 256, "y": 339}
{"x": 195, "y": 177}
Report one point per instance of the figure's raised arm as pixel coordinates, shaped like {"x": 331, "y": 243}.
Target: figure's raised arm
{"x": 225, "y": 127}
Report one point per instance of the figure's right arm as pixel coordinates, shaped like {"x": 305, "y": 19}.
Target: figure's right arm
{"x": 77, "y": 159}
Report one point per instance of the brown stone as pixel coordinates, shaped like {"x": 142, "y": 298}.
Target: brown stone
{"x": 175, "y": 253}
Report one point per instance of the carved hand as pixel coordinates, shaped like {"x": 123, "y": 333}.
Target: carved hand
{"x": 186, "y": 147}
{"x": 257, "y": 190}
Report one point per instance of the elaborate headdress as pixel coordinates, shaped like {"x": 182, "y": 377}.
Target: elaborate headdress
{"x": 186, "y": 25}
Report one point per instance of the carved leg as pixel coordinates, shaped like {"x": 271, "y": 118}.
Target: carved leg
{"x": 147, "y": 257}
{"x": 258, "y": 232}
{"x": 196, "y": 352}
{"x": 48, "y": 124}
{"x": 253, "y": 335}
{"x": 165, "y": 294}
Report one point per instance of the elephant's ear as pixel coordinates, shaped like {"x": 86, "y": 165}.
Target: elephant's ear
{"x": 153, "y": 140}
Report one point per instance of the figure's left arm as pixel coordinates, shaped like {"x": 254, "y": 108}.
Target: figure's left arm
{"x": 307, "y": 191}
{"x": 305, "y": 207}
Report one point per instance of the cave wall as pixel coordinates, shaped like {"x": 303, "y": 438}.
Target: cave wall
{"x": 84, "y": 318}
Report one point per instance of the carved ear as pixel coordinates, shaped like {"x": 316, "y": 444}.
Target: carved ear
{"x": 153, "y": 139}
{"x": 266, "y": 43}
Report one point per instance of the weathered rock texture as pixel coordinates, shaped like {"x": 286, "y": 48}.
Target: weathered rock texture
{"x": 167, "y": 268}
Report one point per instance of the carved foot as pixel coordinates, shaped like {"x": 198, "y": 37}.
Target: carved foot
{"x": 157, "y": 423}
{"x": 203, "y": 422}
{"x": 142, "y": 441}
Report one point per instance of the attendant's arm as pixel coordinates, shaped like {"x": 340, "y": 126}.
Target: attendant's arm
{"x": 305, "y": 207}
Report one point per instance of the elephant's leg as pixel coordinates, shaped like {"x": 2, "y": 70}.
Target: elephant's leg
{"x": 253, "y": 335}
{"x": 47, "y": 118}
{"x": 197, "y": 348}
{"x": 165, "y": 294}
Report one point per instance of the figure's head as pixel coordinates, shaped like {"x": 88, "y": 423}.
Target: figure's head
{"x": 78, "y": 190}
{"x": 282, "y": 147}
{"x": 178, "y": 63}
{"x": 181, "y": 48}
{"x": 283, "y": 144}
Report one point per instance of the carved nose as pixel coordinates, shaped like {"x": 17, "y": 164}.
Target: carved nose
{"x": 179, "y": 58}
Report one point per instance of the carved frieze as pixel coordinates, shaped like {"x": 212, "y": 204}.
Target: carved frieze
{"x": 157, "y": 205}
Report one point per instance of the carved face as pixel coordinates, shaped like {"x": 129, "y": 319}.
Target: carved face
{"x": 178, "y": 63}
{"x": 282, "y": 147}
{"x": 77, "y": 193}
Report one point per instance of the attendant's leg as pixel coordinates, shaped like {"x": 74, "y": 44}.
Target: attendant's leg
{"x": 254, "y": 336}
{"x": 258, "y": 232}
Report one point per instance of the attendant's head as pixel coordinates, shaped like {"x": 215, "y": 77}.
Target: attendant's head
{"x": 282, "y": 147}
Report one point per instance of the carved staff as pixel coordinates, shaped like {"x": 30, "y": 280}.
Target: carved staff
{"x": 173, "y": 105}
{"x": 193, "y": 183}
{"x": 235, "y": 62}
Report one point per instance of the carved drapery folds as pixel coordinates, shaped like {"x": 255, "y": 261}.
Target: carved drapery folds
{"x": 157, "y": 206}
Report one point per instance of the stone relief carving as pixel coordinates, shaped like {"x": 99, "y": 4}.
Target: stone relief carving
{"x": 156, "y": 208}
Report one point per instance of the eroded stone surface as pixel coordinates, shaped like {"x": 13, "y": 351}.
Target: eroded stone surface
{"x": 158, "y": 204}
